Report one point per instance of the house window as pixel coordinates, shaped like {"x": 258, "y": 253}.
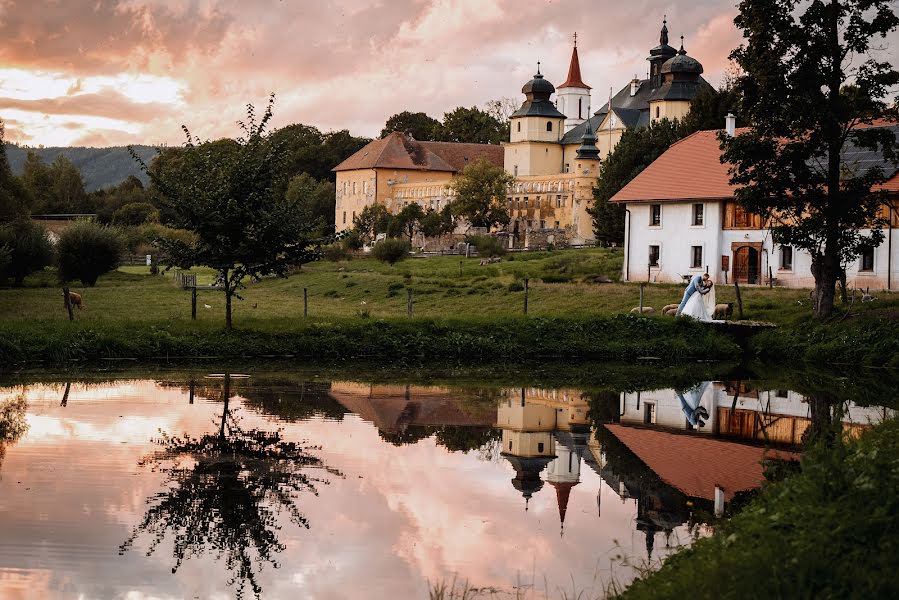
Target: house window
{"x": 654, "y": 256}
{"x": 655, "y": 215}
{"x": 786, "y": 258}
{"x": 519, "y": 126}
{"x": 649, "y": 413}
{"x": 549, "y": 125}
{"x": 354, "y": 187}
{"x": 542, "y": 224}
{"x": 866, "y": 260}
{"x": 696, "y": 257}
{"x": 698, "y": 214}
{"x": 782, "y": 393}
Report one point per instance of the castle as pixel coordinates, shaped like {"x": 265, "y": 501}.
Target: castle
{"x": 554, "y": 152}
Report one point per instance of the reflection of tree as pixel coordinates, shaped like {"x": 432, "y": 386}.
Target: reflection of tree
{"x": 224, "y": 493}
{"x": 455, "y": 438}
{"x": 12, "y": 422}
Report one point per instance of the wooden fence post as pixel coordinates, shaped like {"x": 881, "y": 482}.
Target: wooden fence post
{"x": 526, "y": 289}
{"x": 305, "y": 302}
{"x": 193, "y": 303}
{"x": 68, "y": 303}
{"x": 409, "y": 302}
{"x": 770, "y": 278}
{"x": 739, "y": 299}
{"x": 642, "y": 286}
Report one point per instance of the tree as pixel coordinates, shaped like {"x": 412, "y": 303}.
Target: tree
{"x": 315, "y": 197}
{"x": 502, "y": 108}
{"x": 223, "y": 495}
{"x": 224, "y": 192}
{"x": 391, "y": 250}
{"x": 38, "y": 183}
{"x": 372, "y": 220}
{"x": 710, "y": 107}
{"x": 136, "y": 213}
{"x": 810, "y": 79}
{"x": 635, "y": 151}
{"x": 435, "y": 223}
{"x": 13, "y": 196}
{"x": 480, "y": 195}
{"x": 407, "y": 221}
{"x": 86, "y": 250}
{"x": 419, "y": 125}
{"x": 29, "y": 249}
{"x": 473, "y": 126}
{"x": 67, "y": 188}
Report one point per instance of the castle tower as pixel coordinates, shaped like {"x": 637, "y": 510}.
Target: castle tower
{"x": 536, "y": 129}
{"x": 658, "y": 56}
{"x": 573, "y": 96}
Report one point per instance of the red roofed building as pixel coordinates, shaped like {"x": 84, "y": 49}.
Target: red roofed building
{"x": 682, "y": 220}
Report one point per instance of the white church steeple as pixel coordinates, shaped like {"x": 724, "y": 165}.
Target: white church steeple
{"x": 574, "y": 95}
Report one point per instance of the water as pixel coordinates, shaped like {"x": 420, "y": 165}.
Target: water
{"x": 331, "y": 486}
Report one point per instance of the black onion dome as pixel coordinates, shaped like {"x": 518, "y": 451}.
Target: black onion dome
{"x": 538, "y": 86}
{"x": 682, "y": 64}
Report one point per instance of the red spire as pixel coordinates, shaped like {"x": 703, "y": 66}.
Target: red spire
{"x": 563, "y": 489}
{"x": 574, "y": 73}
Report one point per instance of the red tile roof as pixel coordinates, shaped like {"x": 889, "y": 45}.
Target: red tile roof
{"x": 574, "y": 73}
{"x": 695, "y": 464}
{"x": 399, "y": 151}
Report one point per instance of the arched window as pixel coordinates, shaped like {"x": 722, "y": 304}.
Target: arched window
{"x": 580, "y": 101}
{"x": 519, "y": 126}
{"x": 549, "y": 125}
{"x": 657, "y": 112}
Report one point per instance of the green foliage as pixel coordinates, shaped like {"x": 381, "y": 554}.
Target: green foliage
{"x": 391, "y": 250}
{"x": 135, "y": 213}
{"x": 56, "y": 188}
{"x": 101, "y": 168}
{"x": 336, "y": 252}
{"x": 473, "y": 126}
{"x": 487, "y": 245}
{"x": 29, "y": 250}
{"x": 371, "y": 220}
{"x": 406, "y": 222}
{"x": 307, "y": 150}
{"x": 480, "y": 195}
{"x": 13, "y": 196}
{"x": 351, "y": 240}
{"x": 636, "y": 150}
{"x": 435, "y": 223}
{"x": 131, "y": 191}
{"x": 810, "y": 77}
{"x": 86, "y": 250}
{"x": 225, "y": 194}
{"x": 316, "y": 198}
{"x": 13, "y": 420}
{"x": 803, "y": 537}
{"x": 419, "y": 125}
{"x": 710, "y": 107}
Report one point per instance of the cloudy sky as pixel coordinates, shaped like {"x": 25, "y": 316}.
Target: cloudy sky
{"x": 102, "y": 72}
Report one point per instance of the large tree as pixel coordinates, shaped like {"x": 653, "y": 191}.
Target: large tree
{"x": 473, "y": 126}
{"x": 13, "y": 197}
{"x": 225, "y": 193}
{"x": 480, "y": 192}
{"x": 317, "y": 198}
{"x": 811, "y": 79}
{"x": 419, "y": 125}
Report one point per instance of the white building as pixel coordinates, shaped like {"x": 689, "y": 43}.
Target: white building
{"x": 682, "y": 220}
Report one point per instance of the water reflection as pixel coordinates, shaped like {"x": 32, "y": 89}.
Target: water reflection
{"x": 223, "y": 493}
{"x": 12, "y": 422}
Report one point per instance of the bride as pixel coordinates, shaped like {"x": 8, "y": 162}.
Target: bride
{"x": 701, "y": 306}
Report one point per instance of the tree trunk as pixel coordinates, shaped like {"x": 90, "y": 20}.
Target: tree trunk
{"x": 226, "y": 395}
{"x": 826, "y": 270}
{"x": 228, "y": 294}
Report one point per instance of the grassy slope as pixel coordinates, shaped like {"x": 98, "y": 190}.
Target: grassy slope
{"x": 830, "y": 531}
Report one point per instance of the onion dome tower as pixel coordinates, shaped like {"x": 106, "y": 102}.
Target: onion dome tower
{"x": 658, "y": 56}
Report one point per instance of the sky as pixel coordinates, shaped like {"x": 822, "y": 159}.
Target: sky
{"x": 112, "y": 72}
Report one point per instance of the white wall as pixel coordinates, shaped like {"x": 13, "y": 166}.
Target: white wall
{"x": 676, "y": 235}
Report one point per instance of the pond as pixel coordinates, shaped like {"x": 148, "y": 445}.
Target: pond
{"x": 301, "y": 484}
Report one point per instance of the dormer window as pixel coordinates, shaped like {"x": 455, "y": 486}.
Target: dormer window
{"x": 549, "y": 125}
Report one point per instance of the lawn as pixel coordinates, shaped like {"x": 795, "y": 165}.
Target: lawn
{"x": 561, "y": 284}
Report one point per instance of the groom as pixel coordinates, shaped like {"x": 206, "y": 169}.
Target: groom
{"x": 699, "y": 283}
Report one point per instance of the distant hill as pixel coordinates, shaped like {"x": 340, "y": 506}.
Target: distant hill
{"x": 100, "y": 167}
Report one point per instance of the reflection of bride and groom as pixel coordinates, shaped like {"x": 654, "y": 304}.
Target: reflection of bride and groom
{"x": 699, "y": 299}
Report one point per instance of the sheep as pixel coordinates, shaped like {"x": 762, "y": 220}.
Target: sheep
{"x": 647, "y": 310}
{"x": 723, "y": 311}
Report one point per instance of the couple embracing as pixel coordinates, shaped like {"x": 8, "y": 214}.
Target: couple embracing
{"x": 699, "y": 299}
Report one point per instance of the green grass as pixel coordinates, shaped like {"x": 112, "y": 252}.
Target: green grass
{"x": 131, "y": 302}
{"x": 830, "y": 531}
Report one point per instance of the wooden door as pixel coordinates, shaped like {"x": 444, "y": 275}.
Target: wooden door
{"x": 746, "y": 264}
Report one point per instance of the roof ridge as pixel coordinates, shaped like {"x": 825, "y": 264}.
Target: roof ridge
{"x": 386, "y": 144}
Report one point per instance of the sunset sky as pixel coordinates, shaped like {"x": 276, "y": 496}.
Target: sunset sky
{"x": 105, "y": 72}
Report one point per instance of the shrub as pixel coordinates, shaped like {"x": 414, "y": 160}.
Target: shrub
{"x": 336, "y": 253}
{"x": 555, "y": 279}
{"x": 352, "y": 240}
{"x": 136, "y": 213}
{"x": 487, "y": 245}
{"x": 29, "y": 250}
{"x": 516, "y": 286}
{"x": 87, "y": 250}
{"x": 391, "y": 250}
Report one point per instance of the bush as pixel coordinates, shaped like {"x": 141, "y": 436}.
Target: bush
{"x": 136, "y": 213}
{"x": 555, "y": 279}
{"x": 516, "y": 286}
{"x": 352, "y": 240}
{"x": 29, "y": 250}
{"x": 87, "y": 250}
{"x": 391, "y": 250}
{"x": 336, "y": 253}
{"x": 487, "y": 245}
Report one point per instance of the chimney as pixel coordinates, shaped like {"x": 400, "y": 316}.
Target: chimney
{"x": 730, "y": 124}
{"x": 635, "y": 85}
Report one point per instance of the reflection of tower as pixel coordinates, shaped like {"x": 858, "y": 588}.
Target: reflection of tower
{"x": 527, "y": 474}
{"x": 527, "y": 441}
{"x": 564, "y": 471}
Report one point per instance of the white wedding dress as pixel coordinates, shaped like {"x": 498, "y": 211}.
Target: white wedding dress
{"x": 701, "y": 306}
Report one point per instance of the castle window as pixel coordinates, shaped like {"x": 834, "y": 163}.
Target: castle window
{"x": 657, "y": 112}
{"x": 559, "y": 201}
{"x": 354, "y": 187}
{"x": 580, "y": 101}
{"x": 519, "y": 126}
{"x": 515, "y": 170}
{"x": 542, "y": 224}
{"x": 540, "y": 447}
{"x": 567, "y": 167}
{"x": 344, "y": 217}
{"x": 525, "y": 201}
{"x": 549, "y": 125}
{"x": 557, "y": 224}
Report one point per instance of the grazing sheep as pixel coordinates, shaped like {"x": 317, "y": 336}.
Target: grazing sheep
{"x": 647, "y": 310}
{"x": 723, "y": 311}
{"x": 669, "y": 307}
{"x": 670, "y": 312}
{"x": 75, "y": 300}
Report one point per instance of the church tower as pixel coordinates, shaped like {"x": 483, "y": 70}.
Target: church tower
{"x": 535, "y": 132}
{"x": 573, "y": 96}
{"x": 658, "y": 56}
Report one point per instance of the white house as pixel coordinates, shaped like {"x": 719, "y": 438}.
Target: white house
{"x": 682, "y": 220}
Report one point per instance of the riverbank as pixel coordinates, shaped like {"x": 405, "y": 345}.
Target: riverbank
{"x": 829, "y": 531}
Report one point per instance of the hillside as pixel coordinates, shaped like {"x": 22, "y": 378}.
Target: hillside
{"x": 100, "y": 167}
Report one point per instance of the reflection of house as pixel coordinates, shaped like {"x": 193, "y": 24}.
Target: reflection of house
{"x": 778, "y": 417}
{"x": 683, "y": 219}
